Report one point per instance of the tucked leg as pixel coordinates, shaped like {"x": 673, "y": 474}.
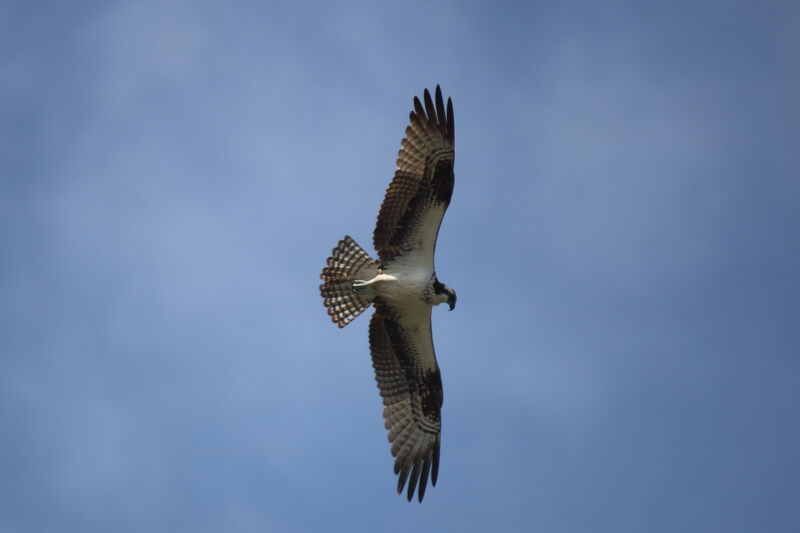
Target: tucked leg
{"x": 363, "y": 287}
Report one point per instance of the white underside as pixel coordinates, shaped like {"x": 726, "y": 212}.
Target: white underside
{"x": 402, "y": 285}
{"x": 403, "y": 289}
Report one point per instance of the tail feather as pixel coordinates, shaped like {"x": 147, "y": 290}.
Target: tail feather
{"x": 348, "y": 263}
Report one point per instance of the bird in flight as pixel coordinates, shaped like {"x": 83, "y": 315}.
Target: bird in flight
{"x": 403, "y": 287}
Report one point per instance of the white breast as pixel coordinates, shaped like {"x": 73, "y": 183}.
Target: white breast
{"x": 404, "y": 282}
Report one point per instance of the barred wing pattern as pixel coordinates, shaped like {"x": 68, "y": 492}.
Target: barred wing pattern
{"x": 411, "y": 386}
{"x": 418, "y": 196}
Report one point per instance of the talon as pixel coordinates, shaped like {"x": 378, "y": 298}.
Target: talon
{"x": 360, "y": 286}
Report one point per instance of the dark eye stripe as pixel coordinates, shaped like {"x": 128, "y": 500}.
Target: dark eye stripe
{"x": 438, "y": 287}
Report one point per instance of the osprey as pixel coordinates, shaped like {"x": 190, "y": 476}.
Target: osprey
{"x": 403, "y": 287}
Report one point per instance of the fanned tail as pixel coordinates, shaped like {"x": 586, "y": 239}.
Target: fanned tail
{"x": 348, "y": 263}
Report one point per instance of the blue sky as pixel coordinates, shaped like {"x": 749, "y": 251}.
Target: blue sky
{"x": 623, "y": 237}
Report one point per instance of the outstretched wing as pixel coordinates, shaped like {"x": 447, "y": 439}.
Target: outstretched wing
{"x": 411, "y": 386}
{"x": 418, "y": 196}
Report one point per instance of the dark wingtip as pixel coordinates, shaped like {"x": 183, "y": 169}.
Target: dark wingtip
{"x": 413, "y": 480}
{"x": 429, "y": 107}
{"x": 451, "y": 122}
{"x": 423, "y": 478}
{"x": 435, "y": 461}
{"x": 401, "y": 481}
{"x": 418, "y": 108}
{"x": 441, "y": 116}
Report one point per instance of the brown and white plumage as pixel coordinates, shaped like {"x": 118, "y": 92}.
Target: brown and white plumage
{"x": 348, "y": 262}
{"x": 420, "y": 192}
{"x": 411, "y": 386}
{"x": 403, "y": 288}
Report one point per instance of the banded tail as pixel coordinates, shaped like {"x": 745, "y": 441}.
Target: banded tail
{"x": 348, "y": 263}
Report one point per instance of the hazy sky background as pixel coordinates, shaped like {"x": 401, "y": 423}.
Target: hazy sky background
{"x": 624, "y": 240}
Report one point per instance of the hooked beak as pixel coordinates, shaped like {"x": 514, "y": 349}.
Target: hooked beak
{"x": 452, "y": 303}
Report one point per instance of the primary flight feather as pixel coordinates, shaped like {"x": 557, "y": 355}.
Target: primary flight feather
{"x": 403, "y": 288}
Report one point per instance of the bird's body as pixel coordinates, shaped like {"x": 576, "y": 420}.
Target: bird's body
{"x": 403, "y": 288}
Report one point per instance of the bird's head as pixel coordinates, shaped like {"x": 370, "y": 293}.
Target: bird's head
{"x": 451, "y": 298}
{"x": 444, "y": 294}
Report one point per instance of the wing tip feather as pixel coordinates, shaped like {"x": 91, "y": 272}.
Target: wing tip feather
{"x": 429, "y": 108}
{"x": 441, "y": 117}
{"x": 432, "y": 112}
{"x": 418, "y": 110}
{"x": 451, "y": 122}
